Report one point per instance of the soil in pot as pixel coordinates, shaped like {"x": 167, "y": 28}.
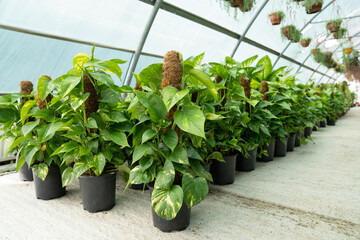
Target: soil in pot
{"x": 246, "y": 164}
{"x": 314, "y": 8}
{"x": 280, "y": 147}
{"x": 323, "y": 123}
{"x": 224, "y": 172}
{"x": 307, "y": 131}
{"x": 179, "y": 223}
{"x": 98, "y": 192}
{"x": 50, "y": 188}
{"x": 291, "y": 142}
{"x": 270, "y": 148}
{"x": 26, "y": 173}
{"x": 299, "y": 136}
{"x": 275, "y": 18}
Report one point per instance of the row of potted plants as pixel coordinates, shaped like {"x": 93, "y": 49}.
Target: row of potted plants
{"x": 183, "y": 125}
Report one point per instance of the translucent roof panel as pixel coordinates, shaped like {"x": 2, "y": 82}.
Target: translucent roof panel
{"x": 111, "y": 22}
{"x": 28, "y": 57}
{"x": 187, "y": 37}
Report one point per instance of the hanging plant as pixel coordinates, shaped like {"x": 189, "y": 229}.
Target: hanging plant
{"x": 313, "y": 6}
{"x": 291, "y": 33}
{"x": 333, "y": 25}
{"x": 305, "y": 42}
{"x": 315, "y": 51}
{"x": 340, "y": 34}
{"x": 276, "y": 17}
{"x": 347, "y": 46}
{"x": 243, "y": 5}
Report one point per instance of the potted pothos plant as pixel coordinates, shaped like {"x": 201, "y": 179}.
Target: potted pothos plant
{"x": 243, "y": 5}
{"x": 94, "y": 150}
{"x": 41, "y": 135}
{"x": 313, "y": 6}
{"x": 276, "y": 17}
{"x": 333, "y": 25}
{"x": 305, "y": 42}
{"x": 11, "y": 125}
{"x": 168, "y": 120}
{"x": 291, "y": 33}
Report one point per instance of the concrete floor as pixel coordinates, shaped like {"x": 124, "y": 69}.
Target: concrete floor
{"x": 312, "y": 193}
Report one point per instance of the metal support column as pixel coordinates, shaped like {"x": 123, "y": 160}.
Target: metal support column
{"x": 142, "y": 42}
{"x": 287, "y": 46}
{"x": 248, "y": 27}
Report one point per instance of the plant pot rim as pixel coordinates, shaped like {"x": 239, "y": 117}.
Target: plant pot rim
{"x": 102, "y": 175}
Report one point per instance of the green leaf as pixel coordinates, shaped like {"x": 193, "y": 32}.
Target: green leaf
{"x": 179, "y": 155}
{"x": 154, "y": 104}
{"x": 195, "y": 74}
{"x": 216, "y": 156}
{"x": 66, "y": 147}
{"x": 16, "y": 142}
{"x": 76, "y": 102}
{"x": 151, "y": 76}
{"x": 140, "y": 151}
{"x": 79, "y": 60}
{"x": 172, "y": 96}
{"x": 267, "y": 68}
{"x": 265, "y": 130}
{"x": 195, "y": 189}
{"x": 190, "y": 119}
{"x": 104, "y": 78}
{"x": 28, "y": 127}
{"x": 41, "y": 170}
{"x": 138, "y": 176}
{"x": 200, "y": 170}
{"x": 44, "y": 87}
{"x": 68, "y": 85}
{"x": 212, "y": 116}
{"x": 79, "y": 168}
{"x": 170, "y": 139}
{"x": 119, "y": 138}
{"x": 167, "y": 202}
{"x": 50, "y": 130}
{"x": 24, "y": 111}
{"x": 29, "y": 153}
{"x": 147, "y": 135}
{"x": 166, "y": 176}
{"x": 110, "y": 66}
{"x": 20, "y": 163}
{"x": 67, "y": 176}
{"x": 45, "y": 114}
{"x": 99, "y": 162}
{"x": 91, "y": 123}
{"x": 247, "y": 63}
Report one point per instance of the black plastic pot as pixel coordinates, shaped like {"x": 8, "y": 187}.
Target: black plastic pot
{"x": 330, "y": 122}
{"x": 298, "y": 137}
{"x": 291, "y": 142}
{"x": 98, "y": 192}
{"x": 323, "y": 123}
{"x": 270, "y": 148}
{"x": 246, "y": 164}
{"x": 307, "y": 131}
{"x": 179, "y": 223}
{"x": 224, "y": 172}
{"x": 137, "y": 186}
{"x": 50, "y": 188}
{"x": 26, "y": 173}
{"x": 280, "y": 147}
{"x": 316, "y": 126}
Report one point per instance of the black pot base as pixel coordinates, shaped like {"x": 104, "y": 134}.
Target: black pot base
{"x": 51, "y": 188}
{"x": 223, "y": 173}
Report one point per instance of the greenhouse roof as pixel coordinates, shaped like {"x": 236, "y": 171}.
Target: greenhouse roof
{"x": 41, "y": 36}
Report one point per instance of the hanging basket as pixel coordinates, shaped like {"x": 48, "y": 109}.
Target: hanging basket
{"x": 314, "y": 8}
{"x": 275, "y": 18}
{"x": 305, "y": 42}
{"x": 242, "y": 5}
{"x": 333, "y": 26}
{"x": 285, "y": 31}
